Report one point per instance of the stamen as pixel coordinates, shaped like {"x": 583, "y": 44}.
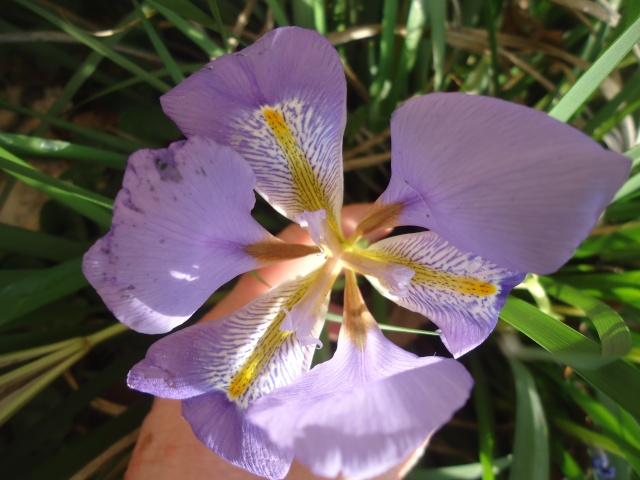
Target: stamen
{"x": 393, "y": 277}
{"x": 274, "y": 250}
{"x": 357, "y": 319}
{"x": 379, "y": 217}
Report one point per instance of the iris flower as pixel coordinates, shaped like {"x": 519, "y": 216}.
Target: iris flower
{"x": 500, "y": 190}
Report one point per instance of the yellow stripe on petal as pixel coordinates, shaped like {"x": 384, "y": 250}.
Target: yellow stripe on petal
{"x": 272, "y": 339}
{"x": 307, "y": 187}
{"x": 458, "y": 291}
{"x": 432, "y": 278}
{"x": 262, "y": 353}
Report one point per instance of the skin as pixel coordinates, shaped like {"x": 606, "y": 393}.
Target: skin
{"x": 167, "y": 448}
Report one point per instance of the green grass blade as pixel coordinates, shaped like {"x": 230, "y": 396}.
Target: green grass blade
{"x": 196, "y": 36}
{"x": 29, "y": 440}
{"x": 213, "y": 6}
{"x": 589, "y": 437}
{"x": 490, "y": 22}
{"x": 531, "y": 443}
{"x": 84, "y": 202}
{"x": 320, "y": 16}
{"x": 97, "y": 45}
{"x": 84, "y": 71}
{"x": 617, "y": 379}
{"x": 634, "y": 155}
{"x": 303, "y": 13}
{"x": 38, "y": 244}
{"x": 565, "y": 461}
{"x": 614, "y": 334}
{"x": 190, "y": 11}
{"x": 484, "y": 412}
{"x": 278, "y": 13}
{"x": 416, "y": 21}
{"x": 158, "y": 45}
{"x": 630, "y": 187}
{"x": 44, "y": 147}
{"x": 206, "y": 45}
{"x": 472, "y": 471}
{"x": 381, "y": 85}
{"x": 13, "y": 402}
{"x": 579, "y": 94}
{"x": 95, "y": 135}
{"x": 40, "y": 289}
{"x": 611, "y": 419}
{"x": 437, "y": 13}
{"x": 627, "y": 92}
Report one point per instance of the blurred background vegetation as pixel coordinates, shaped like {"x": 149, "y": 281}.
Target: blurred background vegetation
{"x": 557, "y": 385}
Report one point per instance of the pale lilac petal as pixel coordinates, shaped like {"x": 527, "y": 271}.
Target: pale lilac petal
{"x": 280, "y": 103}
{"x": 244, "y": 355}
{"x": 460, "y": 292}
{"x": 363, "y": 411}
{"x": 180, "y": 226}
{"x": 222, "y": 426}
{"x": 218, "y": 368}
{"x": 498, "y": 179}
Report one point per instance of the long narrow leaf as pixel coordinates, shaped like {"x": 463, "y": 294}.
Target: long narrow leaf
{"x": 613, "y": 332}
{"x": 159, "y": 46}
{"x": 38, "y": 244}
{"x": 97, "y": 45}
{"x": 196, "y": 36}
{"x": 40, "y": 289}
{"x": 564, "y": 342}
{"x": 87, "y": 203}
{"x": 531, "y": 443}
{"x": 578, "y": 95}
{"x": 45, "y": 147}
{"x": 96, "y": 135}
{"x": 437, "y": 13}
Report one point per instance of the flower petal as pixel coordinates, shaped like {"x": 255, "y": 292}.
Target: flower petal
{"x": 218, "y": 368}
{"x": 498, "y": 179}
{"x": 460, "y": 292}
{"x": 366, "y": 409}
{"x": 244, "y": 355}
{"x": 281, "y": 104}
{"x": 223, "y": 427}
{"x": 180, "y": 229}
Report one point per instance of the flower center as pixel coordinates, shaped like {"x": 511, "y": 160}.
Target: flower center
{"x": 393, "y": 276}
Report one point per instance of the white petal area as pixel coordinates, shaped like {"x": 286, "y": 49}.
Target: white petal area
{"x": 363, "y": 411}
{"x": 244, "y": 355}
{"x": 460, "y": 292}
{"x": 180, "y": 226}
{"x": 281, "y": 104}
{"x": 501, "y": 180}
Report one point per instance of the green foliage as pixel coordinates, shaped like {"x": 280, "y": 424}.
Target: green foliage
{"x": 81, "y": 82}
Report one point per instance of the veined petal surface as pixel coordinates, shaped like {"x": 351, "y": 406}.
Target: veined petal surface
{"x": 218, "y": 368}
{"x": 223, "y": 427}
{"x": 365, "y": 410}
{"x": 179, "y": 232}
{"x": 460, "y": 292}
{"x": 498, "y": 179}
{"x": 244, "y": 354}
{"x": 281, "y": 104}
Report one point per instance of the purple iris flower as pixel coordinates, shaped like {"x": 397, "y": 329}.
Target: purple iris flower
{"x": 502, "y": 189}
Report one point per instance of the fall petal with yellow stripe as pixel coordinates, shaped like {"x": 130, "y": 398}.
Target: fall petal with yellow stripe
{"x": 221, "y": 367}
